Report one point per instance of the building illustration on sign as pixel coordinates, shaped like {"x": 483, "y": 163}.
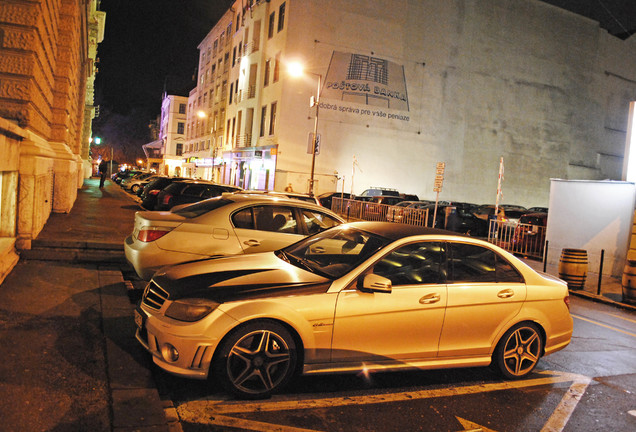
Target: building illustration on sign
{"x": 359, "y": 87}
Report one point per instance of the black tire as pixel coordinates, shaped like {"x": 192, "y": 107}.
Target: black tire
{"x": 256, "y": 360}
{"x": 519, "y": 351}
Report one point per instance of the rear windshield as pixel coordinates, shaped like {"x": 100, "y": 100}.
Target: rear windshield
{"x": 202, "y": 207}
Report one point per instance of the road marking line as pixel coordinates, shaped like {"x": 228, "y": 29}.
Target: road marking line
{"x": 472, "y": 426}
{"x": 623, "y": 318}
{"x": 566, "y": 407}
{"x": 604, "y": 325}
{"x": 236, "y": 407}
{"x": 239, "y": 423}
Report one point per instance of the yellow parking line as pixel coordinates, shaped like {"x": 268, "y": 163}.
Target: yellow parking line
{"x": 242, "y": 407}
{"x": 604, "y": 325}
{"x": 623, "y": 318}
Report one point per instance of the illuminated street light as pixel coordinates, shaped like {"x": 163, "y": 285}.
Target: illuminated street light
{"x": 297, "y": 70}
{"x": 201, "y": 114}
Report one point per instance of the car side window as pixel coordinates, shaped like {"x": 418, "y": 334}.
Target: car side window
{"x": 193, "y": 190}
{"x": 317, "y": 221}
{"x": 212, "y": 191}
{"x": 414, "y": 263}
{"x": 267, "y": 218}
{"x": 473, "y": 263}
{"x": 243, "y": 219}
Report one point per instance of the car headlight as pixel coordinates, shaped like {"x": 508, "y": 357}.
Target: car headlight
{"x": 190, "y": 310}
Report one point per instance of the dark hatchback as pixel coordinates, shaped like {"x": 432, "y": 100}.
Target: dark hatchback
{"x": 190, "y": 191}
{"x": 152, "y": 189}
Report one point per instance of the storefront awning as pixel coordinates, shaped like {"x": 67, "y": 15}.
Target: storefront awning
{"x": 153, "y": 149}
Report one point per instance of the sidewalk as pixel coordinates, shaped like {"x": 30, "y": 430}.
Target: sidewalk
{"x": 71, "y": 361}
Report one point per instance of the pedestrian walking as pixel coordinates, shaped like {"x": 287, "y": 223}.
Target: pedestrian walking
{"x": 103, "y": 167}
{"x": 289, "y": 188}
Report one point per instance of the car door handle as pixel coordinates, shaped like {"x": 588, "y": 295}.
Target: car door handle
{"x": 505, "y": 293}
{"x": 430, "y": 298}
{"x": 252, "y": 243}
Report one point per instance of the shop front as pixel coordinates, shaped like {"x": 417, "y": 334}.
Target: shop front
{"x": 250, "y": 167}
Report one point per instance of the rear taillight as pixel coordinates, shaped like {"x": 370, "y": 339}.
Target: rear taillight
{"x": 152, "y": 234}
{"x": 166, "y": 199}
{"x": 566, "y": 300}
{"x": 153, "y": 192}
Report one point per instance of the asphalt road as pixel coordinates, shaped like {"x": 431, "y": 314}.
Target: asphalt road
{"x": 589, "y": 386}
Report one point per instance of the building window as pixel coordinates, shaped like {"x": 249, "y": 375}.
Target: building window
{"x": 233, "y": 56}
{"x": 267, "y": 68}
{"x": 231, "y": 92}
{"x": 263, "y": 119}
{"x": 228, "y": 33}
{"x": 180, "y": 128}
{"x": 179, "y": 149}
{"x": 270, "y": 29}
{"x": 276, "y": 68}
{"x": 182, "y": 108}
{"x": 281, "y": 17}
{"x": 238, "y": 21}
{"x": 272, "y": 119}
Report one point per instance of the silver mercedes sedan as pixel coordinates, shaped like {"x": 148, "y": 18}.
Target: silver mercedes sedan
{"x": 233, "y": 223}
{"x": 365, "y": 296}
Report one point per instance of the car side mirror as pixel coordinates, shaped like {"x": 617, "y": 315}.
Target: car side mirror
{"x": 375, "y": 283}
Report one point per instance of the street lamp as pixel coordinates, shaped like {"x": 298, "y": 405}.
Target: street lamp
{"x": 296, "y": 70}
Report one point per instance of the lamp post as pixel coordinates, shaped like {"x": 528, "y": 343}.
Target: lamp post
{"x": 296, "y": 70}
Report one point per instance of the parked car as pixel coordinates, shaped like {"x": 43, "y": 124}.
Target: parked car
{"x": 230, "y": 224}
{"x": 327, "y": 197}
{"x": 292, "y": 195}
{"x": 538, "y": 210}
{"x": 132, "y": 183}
{"x": 378, "y": 191}
{"x": 120, "y": 175}
{"x": 457, "y": 218}
{"x": 529, "y": 235}
{"x": 143, "y": 183}
{"x": 407, "y": 211}
{"x": 513, "y": 213}
{"x": 152, "y": 189}
{"x": 190, "y": 191}
{"x": 343, "y": 301}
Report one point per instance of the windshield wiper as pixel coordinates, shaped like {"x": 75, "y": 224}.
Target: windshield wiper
{"x": 301, "y": 262}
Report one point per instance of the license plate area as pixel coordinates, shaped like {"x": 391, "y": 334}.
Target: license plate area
{"x": 140, "y": 319}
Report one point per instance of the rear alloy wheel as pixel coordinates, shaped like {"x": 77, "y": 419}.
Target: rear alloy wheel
{"x": 256, "y": 360}
{"x": 519, "y": 350}
{"x": 135, "y": 188}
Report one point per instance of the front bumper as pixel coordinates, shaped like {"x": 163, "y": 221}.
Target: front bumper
{"x": 195, "y": 342}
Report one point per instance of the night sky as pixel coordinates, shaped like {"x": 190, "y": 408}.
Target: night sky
{"x": 148, "y": 45}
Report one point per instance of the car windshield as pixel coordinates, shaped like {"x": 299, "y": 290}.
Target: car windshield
{"x": 334, "y": 252}
{"x": 202, "y": 207}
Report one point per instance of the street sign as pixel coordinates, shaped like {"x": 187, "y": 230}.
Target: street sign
{"x": 310, "y": 143}
{"x": 439, "y": 176}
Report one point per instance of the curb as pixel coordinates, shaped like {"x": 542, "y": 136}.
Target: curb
{"x": 602, "y": 299}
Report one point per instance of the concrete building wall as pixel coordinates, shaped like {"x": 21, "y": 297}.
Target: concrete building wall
{"x": 546, "y": 89}
{"x": 47, "y": 53}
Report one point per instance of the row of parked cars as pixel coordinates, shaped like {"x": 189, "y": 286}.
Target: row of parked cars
{"x": 256, "y": 288}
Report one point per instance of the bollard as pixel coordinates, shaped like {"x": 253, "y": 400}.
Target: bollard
{"x": 600, "y": 272}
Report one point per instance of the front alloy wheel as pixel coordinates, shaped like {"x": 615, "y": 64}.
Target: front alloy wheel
{"x": 519, "y": 351}
{"x": 256, "y": 360}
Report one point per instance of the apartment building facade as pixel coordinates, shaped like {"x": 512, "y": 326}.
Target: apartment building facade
{"x": 405, "y": 85}
{"x": 165, "y": 153}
